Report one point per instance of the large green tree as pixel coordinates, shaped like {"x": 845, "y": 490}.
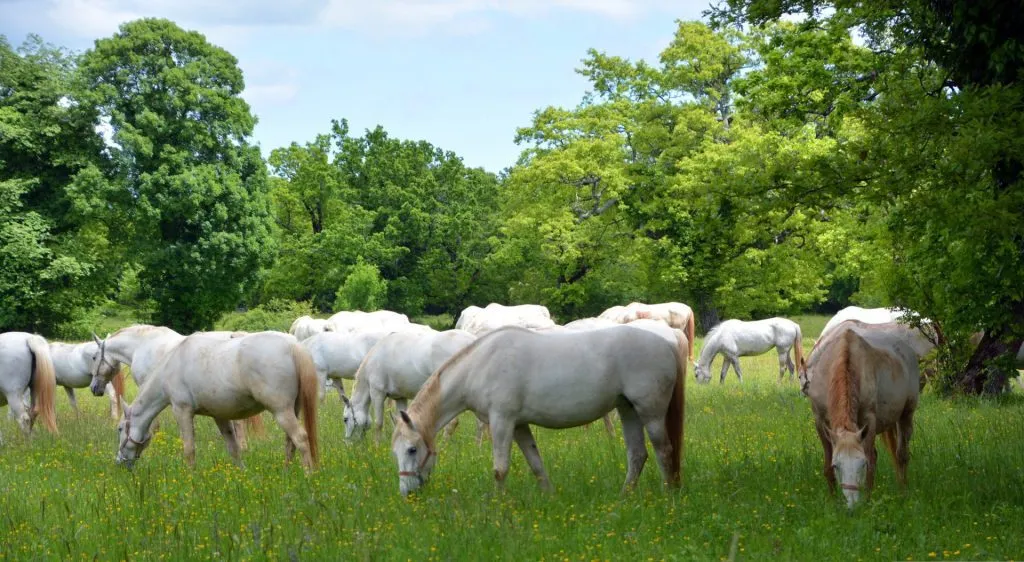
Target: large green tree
{"x": 941, "y": 160}
{"x": 55, "y": 257}
{"x": 188, "y": 183}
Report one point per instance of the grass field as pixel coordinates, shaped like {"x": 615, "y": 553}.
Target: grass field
{"x": 753, "y": 490}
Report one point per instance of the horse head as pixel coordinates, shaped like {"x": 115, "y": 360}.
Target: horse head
{"x": 356, "y": 421}
{"x": 414, "y": 454}
{"x": 701, "y": 373}
{"x": 849, "y": 461}
{"x": 129, "y": 448}
{"x": 103, "y": 369}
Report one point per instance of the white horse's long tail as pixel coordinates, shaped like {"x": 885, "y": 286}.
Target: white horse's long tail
{"x": 44, "y": 382}
{"x": 308, "y": 398}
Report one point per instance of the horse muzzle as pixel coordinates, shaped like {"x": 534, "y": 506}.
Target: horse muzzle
{"x": 97, "y": 388}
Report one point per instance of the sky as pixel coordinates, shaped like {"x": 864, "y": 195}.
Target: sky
{"x": 460, "y": 74}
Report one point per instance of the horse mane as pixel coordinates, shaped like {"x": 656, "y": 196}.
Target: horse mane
{"x": 426, "y": 403}
{"x": 844, "y": 388}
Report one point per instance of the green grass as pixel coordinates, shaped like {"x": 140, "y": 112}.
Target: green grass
{"x": 753, "y": 476}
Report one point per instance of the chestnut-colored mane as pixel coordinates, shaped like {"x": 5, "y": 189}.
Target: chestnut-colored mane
{"x": 844, "y": 389}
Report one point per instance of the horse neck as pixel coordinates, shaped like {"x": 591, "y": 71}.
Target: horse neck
{"x": 152, "y": 400}
{"x": 122, "y": 346}
{"x": 440, "y": 399}
{"x": 361, "y": 390}
{"x": 710, "y": 349}
{"x": 844, "y": 390}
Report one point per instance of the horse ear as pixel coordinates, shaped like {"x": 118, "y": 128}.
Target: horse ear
{"x": 124, "y": 406}
{"x": 407, "y": 419}
{"x": 96, "y": 339}
{"x": 861, "y": 433}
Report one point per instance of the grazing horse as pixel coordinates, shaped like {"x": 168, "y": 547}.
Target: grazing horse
{"x": 513, "y": 378}
{"x": 25, "y": 366}
{"x": 359, "y": 321}
{"x": 867, "y": 316}
{"x": 142, "y": 347}
{"x": 72, "y": 364}
{"x": 862, "y": 382}
{"x": 307, "y": 326}
{"x": 337, "y": 355}
{"x": 479, "y": 321}
{"x": 736, "y": 338}
{"x": 227, "y": 380}
{"x": 396, "y": 368}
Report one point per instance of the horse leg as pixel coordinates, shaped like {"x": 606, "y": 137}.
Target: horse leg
{"x": 378, "y": 412}
{"x": 340, "y": 387}
{"x": 608, "y": 426}
{"x": 295, "y": 437}
{"x": 19, "y": 411}
{"x": 872, "y": 454}
{"x": 227, "y": 431}
{"x": 527, "y": 444}
{"x": 241, "y": 436}
{"x": 115, "y": 406}
{"x": 71, "y": 398}
{"x": 790, "y": 365}
{"x": 736, "y": 367}
{"x": 783, "y": 362}
{"x": 501, "y": 448}
{"x": 186, "y": 426}
{"x": 827, "y": 471}
{"x": 889, "y": 437}
{"x": 725, "y": 368}
{"x": 658, "y": 435}
{"x": 903, "y": 432}
{"x": 449, "y": 429}
{"x": 482, "y": 429}
{"x": 636, "y": 449}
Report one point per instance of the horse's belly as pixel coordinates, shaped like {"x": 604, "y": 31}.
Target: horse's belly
{"x": 228, "y": 407}
{"x": 560, "y": 414}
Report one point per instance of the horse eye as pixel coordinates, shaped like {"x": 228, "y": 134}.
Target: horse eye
{"x": 412, "y": 451}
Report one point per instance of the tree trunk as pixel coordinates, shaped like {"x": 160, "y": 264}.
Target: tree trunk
{"x": 707, "y": 313}
{"x": 982, "y": 376}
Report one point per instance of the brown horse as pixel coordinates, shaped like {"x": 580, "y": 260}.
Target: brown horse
{"x": 862, "y": 382}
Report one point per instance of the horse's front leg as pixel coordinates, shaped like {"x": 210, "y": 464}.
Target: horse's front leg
{"x": 501, "y": 448}
{"x": 377, "y": 398}
{"x": 340, "y": 387}
{"x": 527, "y": 444}
{"x": 826, "y": 445}
{"x": 736, "y": 367}
{"x": 186, "y": 426}
{"x": 71, "y": 398}
{"x": 726, "y": 361}
{"x": 227, "y": 431}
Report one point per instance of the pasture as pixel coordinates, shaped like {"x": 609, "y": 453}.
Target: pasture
{"x": 752, "y": 490}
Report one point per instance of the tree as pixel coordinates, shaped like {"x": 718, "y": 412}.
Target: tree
{"x": 55, "y": 257}
{"x": 363, "y": 289}
{"x": 192, "y": 187}
{"x": 941, "y": 162}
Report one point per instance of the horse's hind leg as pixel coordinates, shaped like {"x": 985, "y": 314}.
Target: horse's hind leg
{"x": 658, "y": 435}
{"x": 241, "y": 437}
{"x": 227, "y": 430}
{"x": 295, "y": 437}
{"x": 527, "y": 444}
{"x": 186, "y": 426}
{"x": 71, "y": 398}
{"x": 19, "y": 411}
{"x": 636, "y": 449}
{"x": 783, "y": 362}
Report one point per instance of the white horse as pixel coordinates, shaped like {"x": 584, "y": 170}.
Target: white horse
{"x": 72, "y": 363}
{"x": 675, "y": 314}
{"x": 376, "y": 321}
{"x": 26, "y": 367}
{"x": 227, "y": 379}
{"x": 307, "y": 326}
{"x": 513, "y": 378}
{"x": 494, "y": 316}
{"x": 736, "y": 338}
{"x": 337, "y": 355}
{"x": 865, "y": 315}
{"x": 396, "y": 368}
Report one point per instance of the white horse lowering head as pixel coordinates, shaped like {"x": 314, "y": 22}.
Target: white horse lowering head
{"x": 356, "y": 421}
{"x": 701, "y": 373}
{"x": 103, "y": 368}
{"x": 129, "y": 448}
{"x": 849, "y": 463}
{"x": 415, "y": 456}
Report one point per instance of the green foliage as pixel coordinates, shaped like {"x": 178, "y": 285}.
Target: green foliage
{"x": 194, "y": 188}
{"x": 55, "y": 259}
{"x": 363, "y": 289}
{"x": 275, "y": 314}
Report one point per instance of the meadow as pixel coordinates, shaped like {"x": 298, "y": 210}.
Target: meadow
{"x": 752, "y": 490}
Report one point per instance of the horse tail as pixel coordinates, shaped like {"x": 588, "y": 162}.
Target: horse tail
{"x": 44, "y": 382}
{"x": 675, "y": 417}
{"x": 117, "y": 381}
{"x": 309, "y": 396}
{"x": 690, "y": 335}
{"x": 798, "y": 349}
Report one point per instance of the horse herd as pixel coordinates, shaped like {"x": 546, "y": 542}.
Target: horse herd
{"x": 512, "y": 366}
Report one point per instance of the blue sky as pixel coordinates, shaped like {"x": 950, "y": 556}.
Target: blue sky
{"x": 461, "y": 74}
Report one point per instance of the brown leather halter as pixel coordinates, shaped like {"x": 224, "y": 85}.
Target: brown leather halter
{"x": 419, "y": 469}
